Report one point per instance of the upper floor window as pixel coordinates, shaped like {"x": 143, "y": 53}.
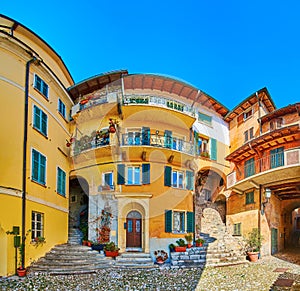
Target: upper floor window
{"x": 202, "y": 144}
{"x": 38, "y": 172}
{"x": 249, "y": 169}
{"x": 207, "y": 194}
{"x": 133, "y": 175}
{"x": 133, "y": 136}
{"x": 250, "y": 197}
{"x": 37, "y": 225}
{"x": 276, "y": 123}
{"x": 177, "y": 179}
{"x": 40, "y": 120}
{"x": 249, "y": 134}
{"x": 204, "y": 118}
{"x": 62, "y": 108}
{"x": 107, "y": 181}
{"x": 41, "y": 86}
{"x": 247, "y": 114}
{"x": 61, "y": 182}
{"x": 277, "y": 157}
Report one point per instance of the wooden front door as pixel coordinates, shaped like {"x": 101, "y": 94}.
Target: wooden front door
{"x": 134, "y": 230}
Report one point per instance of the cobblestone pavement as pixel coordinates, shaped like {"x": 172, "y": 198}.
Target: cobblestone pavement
{"x": 258, "y": 276}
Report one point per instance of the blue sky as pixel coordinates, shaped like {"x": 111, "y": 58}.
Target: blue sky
{"x": 229, "y": 49}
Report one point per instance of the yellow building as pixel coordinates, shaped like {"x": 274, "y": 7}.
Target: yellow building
{"x": 138, "y": 143}
{"x": 34, "y": 157}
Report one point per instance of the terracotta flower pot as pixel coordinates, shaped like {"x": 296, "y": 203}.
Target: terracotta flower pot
{"x": 111, "y": 253}
{"x": 21, "y": 272}
{"x": 189, "y": 246}
{"x": 199, "y": 244}
{"x": 180, "y": 249}
{"x": 253, "y": 256}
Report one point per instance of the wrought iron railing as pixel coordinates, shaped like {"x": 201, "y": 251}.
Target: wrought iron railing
{"x": 158, "y": 101}
{"x": 155, "y": 140}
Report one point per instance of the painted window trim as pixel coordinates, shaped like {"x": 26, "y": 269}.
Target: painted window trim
{"x": 35, "y": 230}
{"x": 111, "y": 187}
{"x": 126, "y": 174}
{"x": 169, "y": 216}
{"x": 205, "y": 121}
{"x": 183, "y": 179}
{"x": 31, "y": 167}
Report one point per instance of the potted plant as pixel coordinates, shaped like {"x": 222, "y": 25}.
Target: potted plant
{"x": 96, "y": 246}
{"x": 111, "y": 249}
{"x": 21, "y": 270}
{"x": 161, "y": 256}
{"x": 172, "y": 247}
{"x": 253, "y": 244}
{"x": 199, "y": 242}
{"x": 181, "y": 246}
{"x": 189, "y": 239}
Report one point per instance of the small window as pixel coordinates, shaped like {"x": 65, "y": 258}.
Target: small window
{"x": 250, "y": 197}
{"x": 38, "y": 173}
{"x": 41, "y": 86}
{"x": 40, "y": 120}
{"x": 107, "y": 181}
{"x": 73, "y": 199}
{"x": 237, "y": 229}
{"x": 37, "y": 225}
{"x": 133, "y": 175}
{"x": 206, "y": 194}
{"x": 249, "y": 134}
{"x": 249, "y": 168}
{"x": 247, "y": 114}
{"x": 177, "y": 179}
{"x": 62, "y": 108}
{"x": 61, "y": 182}
{"x": 178, "y": 221}
{"x": 204, "y": 118}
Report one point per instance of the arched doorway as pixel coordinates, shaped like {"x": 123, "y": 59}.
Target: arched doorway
{"x": 134, "y": 230}
{"x": 79, "y": 205}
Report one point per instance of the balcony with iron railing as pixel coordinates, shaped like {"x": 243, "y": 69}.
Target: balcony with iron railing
{"x": 265, "y": 169}
{"x": 156, "y": 140}
{"x": 159, "y": 101}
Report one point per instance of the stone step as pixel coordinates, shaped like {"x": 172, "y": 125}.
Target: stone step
{"x": 135, "y": 255}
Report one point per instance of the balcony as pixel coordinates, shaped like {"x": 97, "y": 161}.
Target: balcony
{"x": 161, "y": 102}
{"x": 269, "y": 169}
{"x": 160, "y": 141}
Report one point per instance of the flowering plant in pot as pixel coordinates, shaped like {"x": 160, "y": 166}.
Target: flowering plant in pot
{"x": 161, "y": 256}
{"x": 111, "y": 249}
{"x": 181, "y": 246}
{"x": 189, "y": 239}
{"x": 199, "y": 242}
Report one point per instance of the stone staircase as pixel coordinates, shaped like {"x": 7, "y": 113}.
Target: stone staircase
{"x": 70, "y": 259}
{"x": 75, "y": 236}
{"x": 222, "y": 248}
{"x": 134, "y": 260}
{"x": 194, "y": 257}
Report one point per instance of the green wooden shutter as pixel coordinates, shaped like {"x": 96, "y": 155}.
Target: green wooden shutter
{"x": 42, "y": 170}
{"x": 190, "y": 222}
{"x": 121, "y": 174}
{"x": 168, "y": 220}
{"x": 213, "y": 149}
{"x": 44, "y": 123}
{"x": 168, "y": 173}
{"x": 146, "y": 173}
{"x": 189, "y": 180}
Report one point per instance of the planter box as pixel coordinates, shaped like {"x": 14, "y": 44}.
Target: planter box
{"x": 111, "y": 253}
{"x": 199, "y": 244}
{"x": 21, "y": 272}
{"x": 98, "y": 248}
{"x": 180, "y": 249}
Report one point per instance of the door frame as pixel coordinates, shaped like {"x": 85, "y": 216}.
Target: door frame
{"x": 140, "y": 218}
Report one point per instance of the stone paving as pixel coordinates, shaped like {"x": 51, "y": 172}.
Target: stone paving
{"x": 258, "y": 276}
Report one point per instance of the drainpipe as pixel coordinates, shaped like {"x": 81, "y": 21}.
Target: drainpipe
{"x": 25, "y": 156}
{"x": 259, "y": 212}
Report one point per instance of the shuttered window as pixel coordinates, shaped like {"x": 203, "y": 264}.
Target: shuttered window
{"x": 168, "y": 176}
{"x": 40, "y": 120}
{"x": 121, "y": 174}
{"x": 190, "y": 222}
{"x": 168, "y": 221}
{"x": 189, "y": 180}
{"x": 38, "y": 171}
{"x": 61, "y": 182}
{"x": 146, "y": 136}
{"x": 179, "y": 221}
{"x": 213, "y": 149}
{"x": 41, "y": 86}
{"x": 146, "y": 173}
{"x": 237, "y": 229}
{"x": 250, "y": 197}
